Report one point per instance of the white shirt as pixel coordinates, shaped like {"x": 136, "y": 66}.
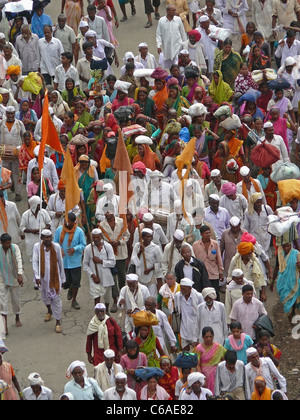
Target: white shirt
{"x": 188, "y": 310}
{"x": 57, "y": 205}
{"x": 13, "y": 222}
{"x": 50, "y": 55}
{"x": 284, "y": 51}
{"x": 170, "y": 35}
{"x": 159, "y": 237}
{"x": 99, "y": 26}
{"x": 114, "y": 200}
{"x": 214, "y": 318}
{"x": 269, "y": 371}
{"x": 163, "y": 329}
{"x": 61, "y": 76}
{"x": 235, "y": 207}
{"x": 111, "y": 394}
{"x": 153, "y": 256}
{"x": 29, "y": 221}
{"x": 45, "y": 395}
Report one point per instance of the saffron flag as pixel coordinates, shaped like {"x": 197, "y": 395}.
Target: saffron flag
{"x": 72, "y": 188}
{"x": 123, "y": 166}
{"x": 49, "y": 134}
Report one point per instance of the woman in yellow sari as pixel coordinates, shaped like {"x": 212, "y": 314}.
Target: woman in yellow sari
{"x": 219, "y": 90}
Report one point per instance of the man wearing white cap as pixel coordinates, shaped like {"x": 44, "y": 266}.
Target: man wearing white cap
{"x": 193, "y": 197}
{"x": 132, "y": 297}
{"x": 112, "y": 230}
{"x": 159, "y": 237}
{"x": 215, "y": 186}
{"x": 98, "y": 259}
{"x": 248, "y": 185}
{"x": 49, "y": 169}
{"x": 211, "y": 314}
{"x": 229, "y": 240}
{"x": 177, "y": 220}
{"x": 148, "y": 60}
{"x": 49, "y": 273}
{"x": 186, "y": 302}
{"x": 266, "y": 369}
{"x": 209, "y": 44}
{"x": 120, "y": 391}
{"x": 109, "y": 197}
{"x": 147, "y": 258}
{"x": 234, "y": 290}
{"x": 12, "y": 137}
{"x": 276, "y": 141}
{"x": 217, "y": 216}
{"x": 106, "y": 371}
{"x": 194, "y": 390}
{"x": 56, "y": 121}
{"x": 172, "y": 252}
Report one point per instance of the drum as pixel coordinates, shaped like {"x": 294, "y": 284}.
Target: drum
{"x": 8, "y": 152}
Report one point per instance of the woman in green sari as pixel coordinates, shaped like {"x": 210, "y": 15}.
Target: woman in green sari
{"x": 149, "y": 345}
{"x": 83, "y": 116}
{"x": 86, "y": 176}
{"x": 146, "y": 104}
{"x": 175, "y": 100}
{"x": 71, "y": 91}
{"x": 219, "y": 90}
{"x": 228, "y": 62}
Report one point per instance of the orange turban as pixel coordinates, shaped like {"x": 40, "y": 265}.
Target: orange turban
{"x": 13, "y": 70}
{"x": 244, "y": 248}
{"x": 61, "y": 185}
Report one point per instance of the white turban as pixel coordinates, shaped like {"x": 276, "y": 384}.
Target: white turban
{"x": 73, "y": 366}
{"x": 250, "y": 351}
{"x": 121, "y": 375}
{"x": 127, "y": 56}
{"x": 148, "y": 217}
{"x": 34, "y": 202}
{"x": 195, "y": 377}
{"x": 109, "y": 354}
{"x": 132, "y": 277}
{"x": 210, "y": 292}
{"x": 186, "y": 282}
{"x": 244, "y": 171}
{"x": 237, "y": 273}
{"x": 122, "y": 86}
{"x": 83, "y": 24}
{"x": 215, "y": 172}
{"x": 35, "y": 379}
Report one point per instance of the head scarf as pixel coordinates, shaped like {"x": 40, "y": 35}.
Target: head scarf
{"x": 229, "y": 188}
{"x": 35, "y": 379}
{"x": 140, "y": 166}
{"x": 210, "y": 292}
{"x": 195, "y": 377}
{"x": 253, "y": 199}
{"x": 246, "y": 237}
{"x": 196, "y": 34}
{"x": 244, "y": 248}
{"x": 265, "y": 396}
{"x": 74, "y": 365}
{"x": 13, "y": 70}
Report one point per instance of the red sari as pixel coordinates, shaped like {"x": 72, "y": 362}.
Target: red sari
{"x": 168, "y": 381}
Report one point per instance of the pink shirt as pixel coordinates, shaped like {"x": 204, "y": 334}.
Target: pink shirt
{"x": 211, "y": 258}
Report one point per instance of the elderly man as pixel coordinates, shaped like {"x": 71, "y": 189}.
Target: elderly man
{"x": 266, "y": 368}
{"x": 105, "y": 372}
{"x": 170, "y": 35}
{"x": 28, "y": 50}
{"x": 109, "y": 197}
{"x": 103, "y": 333}
{"x": 194, "y": 389}
{"x": 248, "y": 185}
{"x": 147, "y": 259}
{"x": 208, "y": 251}
{"x": 229, "y": 240}
{"x": 12, "y": 131}
{"x": 7, "y": 59}
{"x": 235, "y": 203}
{"x": 211, "y": 314}
{"x": 234, "y": 290}
{"x": 172, "y": 252}
{"x": 217, "y": 216}
{"x": 144, "y": 57}
{"x": 163, "y": 329}
{"x": 185, "y": 309}
{"x": 11, "y": 278}
{"x": 113, "y": 232}
{"x": 247, "y": 310}
{"x": 192, "y": 268}
{"x": 65, "y": 34}
{"x": 159, "y": 237}
{"x": 231, "y": 378}
{"x": 49, "y": 273}
{"x": 120, "y": 391}
{"x": 132, "y": 297}
{"x": 209, "y": 44}
{"x": 276, "y": 141}
{"x": 256, "y": 220}
{"x": 246, "y": 260}
{"x": 98, "y": 260}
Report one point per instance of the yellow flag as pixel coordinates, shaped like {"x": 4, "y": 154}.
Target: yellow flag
{"x": 72, "y": 188}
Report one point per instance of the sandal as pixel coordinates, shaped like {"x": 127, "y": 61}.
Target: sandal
{"x": 149, "y": 24}
{"x": 157, "y": 16}
{"x": 123, "y": 19}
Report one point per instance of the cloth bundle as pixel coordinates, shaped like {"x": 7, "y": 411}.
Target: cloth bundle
{"x": 32, "y": 83}
{"x": 279, "y": 224}
{"x": 144, "y": 318}
{"x": 283, "y": 171}
{"x": 288, "y": 190}
{"x": 264, "y": 155}
{"x": 186, "y": 360}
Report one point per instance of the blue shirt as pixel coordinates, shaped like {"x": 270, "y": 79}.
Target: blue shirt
{"x": 90, "y": 388}
{"x": 241, "y": 354}
{"x": 78, "y": 243}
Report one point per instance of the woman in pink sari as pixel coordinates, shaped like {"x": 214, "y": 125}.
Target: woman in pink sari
{"x": 105, "y": 11}
{"x": 7, "y": 374}
{"x": 210, "y": 355}
{"x": 281, "y": 125}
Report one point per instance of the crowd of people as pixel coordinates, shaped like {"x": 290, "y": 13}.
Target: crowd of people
{"x": 209, "y": 126}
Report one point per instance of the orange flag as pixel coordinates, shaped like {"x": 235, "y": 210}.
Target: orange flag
{"x": 123, "y": 165}
{"x": 72, "y": 188}
{"x": 49, "y": 134}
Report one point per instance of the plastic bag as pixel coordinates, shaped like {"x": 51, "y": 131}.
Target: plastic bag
{"x": 32, "y": 83}
{"x": 285, "y": 170}
{"x": 288, "y": 190}
{"x": 264, "y": 155}
{"x": 144, "y": 318}
{"x": 279, "y": 224}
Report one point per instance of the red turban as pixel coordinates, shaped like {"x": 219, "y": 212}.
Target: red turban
{"x": 139, "y": 166}
{"x": 61, "y": 184}
{"x": 196, "y": 34}
{"x": 246, "y": 237}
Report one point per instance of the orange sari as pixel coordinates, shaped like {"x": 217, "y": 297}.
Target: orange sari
{"x": 150, "y": 159}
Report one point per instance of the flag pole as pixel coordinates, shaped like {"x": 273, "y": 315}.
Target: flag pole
{"x": 40, "y": 221}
